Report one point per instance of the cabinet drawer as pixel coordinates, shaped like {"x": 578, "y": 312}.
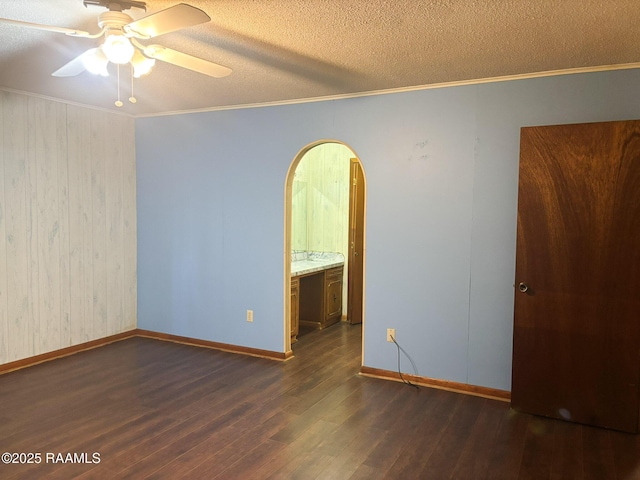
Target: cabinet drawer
{"x": 334, "y": 274}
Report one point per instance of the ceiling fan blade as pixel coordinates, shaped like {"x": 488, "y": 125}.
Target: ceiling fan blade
{"x": 168, "y": 20}
{"x": 74, "y": 67}
{"x": 67, "y": 31}
{"x": 186, "y": 61}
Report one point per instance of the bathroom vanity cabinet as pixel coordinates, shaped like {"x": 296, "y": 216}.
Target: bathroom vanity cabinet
{"x": 316, "y": 292}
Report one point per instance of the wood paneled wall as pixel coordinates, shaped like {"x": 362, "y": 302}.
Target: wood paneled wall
{"x": 321, "y": 184}
{"x": 67, "y": 225}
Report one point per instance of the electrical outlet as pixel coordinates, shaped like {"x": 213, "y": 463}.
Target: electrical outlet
{"x": 249, "y": 315}
{"x": 391, "y": 334}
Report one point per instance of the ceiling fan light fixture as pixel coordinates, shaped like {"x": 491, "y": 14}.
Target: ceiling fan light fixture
{"x": 141, "y": 64}
{"x": 118, "y": 48}
{"x": 95, "y": 61}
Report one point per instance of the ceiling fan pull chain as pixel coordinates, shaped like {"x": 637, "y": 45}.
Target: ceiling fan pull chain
{"x": 132, "y": 98}
{"x": 118, "y": 102}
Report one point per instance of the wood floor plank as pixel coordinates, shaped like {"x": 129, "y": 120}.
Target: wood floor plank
{"x": 476, "y": 455}
{"x": 155, "y": 409}
{"x": 598, "y": 454}
{"x": 351, "y": 454}
{"x": 447, "y": 451}
{"x": 538, "y": 450}
{"x": 567, "y": 460}
{"x": 367, "y": 472}
{"x": 255, "y": 458}
{"x": 412, "y": 429}
{"x": 174, "y": 447}
{"x": 625, "y": 454}
{"x": 508, "y": 451}
{"x": 199, "y": 456}
{"x": 304, "y": 466}
{"x": 417, "y": 447}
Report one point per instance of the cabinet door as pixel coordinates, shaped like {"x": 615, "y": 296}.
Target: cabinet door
{"x": 333, "y": 293}
{"x": 295, "y": 308}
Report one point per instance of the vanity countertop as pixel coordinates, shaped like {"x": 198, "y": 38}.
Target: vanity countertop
{"x": 303, "y": 263}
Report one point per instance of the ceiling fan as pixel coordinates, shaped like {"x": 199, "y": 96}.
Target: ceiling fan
{"x": 122, "y": 35}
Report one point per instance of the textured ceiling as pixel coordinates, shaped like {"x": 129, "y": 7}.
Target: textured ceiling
{"x": 285, "y": 50}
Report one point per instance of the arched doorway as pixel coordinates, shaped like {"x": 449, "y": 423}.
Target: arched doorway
{"x": 349, "y": 242}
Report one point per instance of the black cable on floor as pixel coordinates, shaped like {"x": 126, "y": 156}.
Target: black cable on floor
{"x": 406, "y": 382}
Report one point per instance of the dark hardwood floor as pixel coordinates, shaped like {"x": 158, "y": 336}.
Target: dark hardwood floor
{"x": 154, "y": 409}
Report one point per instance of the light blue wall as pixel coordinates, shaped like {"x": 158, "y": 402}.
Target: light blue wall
{"x": 441, "y": 168}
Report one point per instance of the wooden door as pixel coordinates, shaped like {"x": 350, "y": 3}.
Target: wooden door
{"x": 576, "y": 345}
{"x": 356, "y": 244}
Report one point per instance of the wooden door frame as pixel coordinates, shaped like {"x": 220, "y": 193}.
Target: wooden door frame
{"x": 288, "y": 194}
{"x": 355, "y": 275}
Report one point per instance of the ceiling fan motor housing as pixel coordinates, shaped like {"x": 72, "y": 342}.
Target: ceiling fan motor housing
{"x": 117, "y": 6}
{"x": 114, "y": 20}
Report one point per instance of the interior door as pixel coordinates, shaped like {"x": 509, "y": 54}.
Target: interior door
{"x": 356, "y": 244}
{"x": 576, "y": 345}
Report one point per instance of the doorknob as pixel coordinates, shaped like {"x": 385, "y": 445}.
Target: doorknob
{"x": 523, "y": 287}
